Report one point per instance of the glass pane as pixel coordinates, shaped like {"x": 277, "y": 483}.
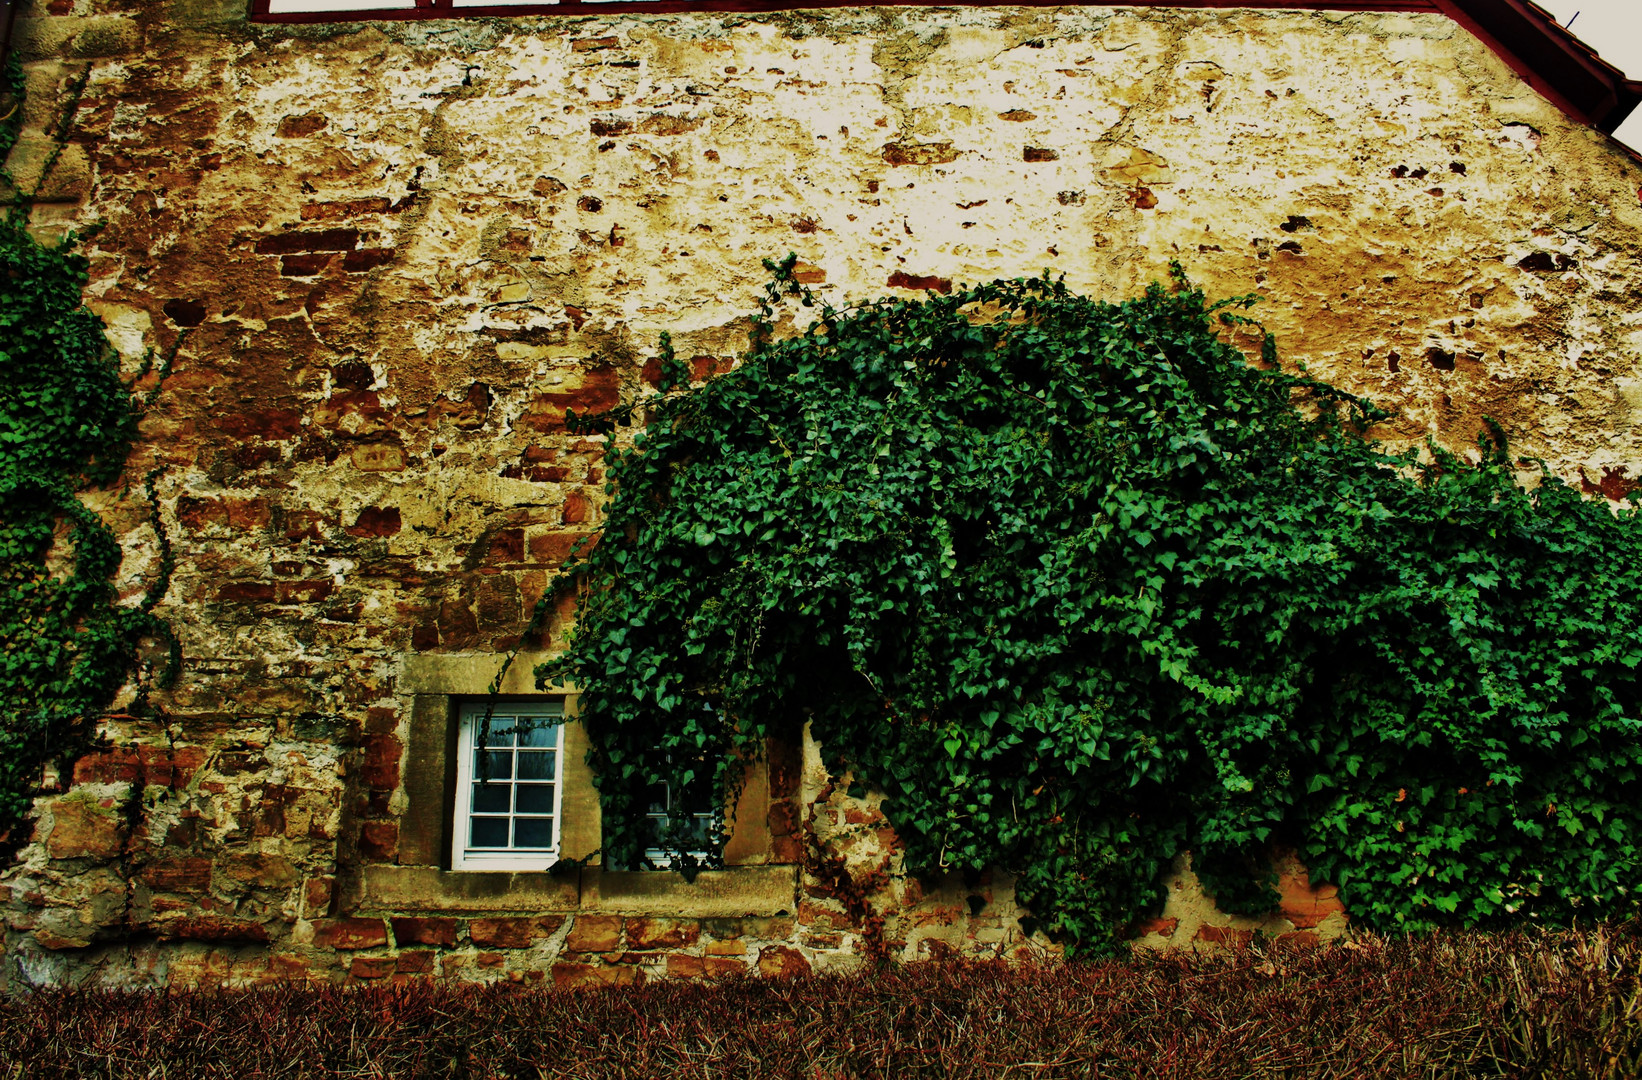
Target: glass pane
{"x": 534, "y": 799}
{"x": 533, "y": 832}
{"x": 658, "y": 798}
{"x": 490, "y": 798}
{"x": 536, "y": 765}
{"x": 500, "y": 763}
{"x": 539, "y": 733}
{"x": 489, "y": 832}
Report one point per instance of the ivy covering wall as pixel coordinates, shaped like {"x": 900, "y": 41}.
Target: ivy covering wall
{"x": 67, "y": 421}
{"x": 1078, "y": 586}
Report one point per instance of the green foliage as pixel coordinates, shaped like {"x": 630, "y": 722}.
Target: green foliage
{"x": 1078, "y": 587}
{"x": 66, "y": 423}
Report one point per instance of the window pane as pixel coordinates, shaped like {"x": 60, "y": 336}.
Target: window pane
{"x": 534, "y": 799}
{"x": 538, "y": 733}
{"x": 500, "y": 763}
{"x": 489, "y": 832}
{"x": 490, "y": 798}
{"x": 536, "y": 765}
{"x": 533, "y": 832}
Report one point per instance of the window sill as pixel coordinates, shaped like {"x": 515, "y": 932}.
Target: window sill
{"x": 735, "y": 892}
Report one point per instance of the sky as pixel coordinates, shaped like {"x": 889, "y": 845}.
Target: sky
{"x": 1614, "y": 29}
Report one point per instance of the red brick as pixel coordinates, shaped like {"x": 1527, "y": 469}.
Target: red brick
{"x": 321, "y": 240}
{"x": 506, "y": 546}
{"x": 902, "y": 280}
{"x": 379, "y": 840}
{"x": 140, "y": 764}
{"x": 576, "y": 508}
{"x": 571, "y": 975}
{"x": 513, "y": 933}
{"x": 1225, "y": 935}
{"x": 814, "y": 915}
{"x": 211, "y": 928}
{"x": 380, "y": 768}
{"x": 316, "y": 895}
{"x": 1166, "y": 927}
{"x": 247, "y": 592}
{"x": 274, "y": 424}
{"x": 187, "y": 875}
{"x": 347, "y": 208}
{"x": 350, "y": 933}
{"x": 591, "y": 44}
{"x": 357, "y": 262}
{"x": 376, "y": 521}
{"x": 415, "y": 962}
{"x": 1302, "y": 904}
{"x": 372, "y": 967}
{"x": 311, "y": 264}
{"x": 552, "y": 549}
{"x": 594, "y": 933}
{"x": 782, "y": 962}
{"x": 407, "y": 930}
{"x": 662, "y": 933}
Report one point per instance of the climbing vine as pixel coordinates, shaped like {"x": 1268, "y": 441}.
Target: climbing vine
{"x": 1078, "y": 586}
{"x": 66, "y": 424}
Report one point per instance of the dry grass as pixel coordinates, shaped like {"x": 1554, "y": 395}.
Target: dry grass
{"x": 1517, "y": 1005}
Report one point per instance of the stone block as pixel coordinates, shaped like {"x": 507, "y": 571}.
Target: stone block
{"x": 782, "y": 962}
{"x": 415, "y": 962}
{"x": 513, "y": 933}
{"x": 350, "y": 933}
{"x": 379, "y": 840}
{"x": 76, "y": 36}
{"x": 259, "y": 870}
{"x": 424, "y": 931}
{"x": 177, "y": 874}
{"x": 372, "y": 967}
{"x": 594, "y": 933}
{"x": 83, "y": 829}
{"x": 568, "y": 976}
{"x": 212, "y": 928}
{"x": 662, "y": 933}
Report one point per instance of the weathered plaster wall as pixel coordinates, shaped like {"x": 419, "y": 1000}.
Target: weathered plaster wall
{"x": 401, "y": 251}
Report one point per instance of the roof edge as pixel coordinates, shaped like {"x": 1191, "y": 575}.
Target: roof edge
{"x": 1551, "y": 59}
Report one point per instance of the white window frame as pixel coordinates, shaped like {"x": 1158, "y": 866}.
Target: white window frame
{"x": 504, "y": 715}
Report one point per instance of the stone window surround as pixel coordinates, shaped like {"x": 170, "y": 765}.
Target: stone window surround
{"x": 432, "y": 685}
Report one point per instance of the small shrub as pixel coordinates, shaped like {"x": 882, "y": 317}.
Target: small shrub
{"x": 1519, "y": 1005}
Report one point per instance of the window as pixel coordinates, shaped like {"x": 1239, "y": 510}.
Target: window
{"x": 699, "y": 826}
{"x": 508, "y": 794}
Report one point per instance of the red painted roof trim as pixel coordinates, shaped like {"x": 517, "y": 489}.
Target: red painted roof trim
{"x": 442, "y": 9}
{"x": 1549, "y": 58}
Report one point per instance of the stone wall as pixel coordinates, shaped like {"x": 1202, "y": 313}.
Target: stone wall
{"x": 400, "y": 252}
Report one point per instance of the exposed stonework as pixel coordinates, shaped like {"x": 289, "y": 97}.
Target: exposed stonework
{"x": 402, "y": 252}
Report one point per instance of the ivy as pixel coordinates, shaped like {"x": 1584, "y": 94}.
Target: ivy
{"x": 67, "y": 422}
{"x": 1078, "y": 586}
